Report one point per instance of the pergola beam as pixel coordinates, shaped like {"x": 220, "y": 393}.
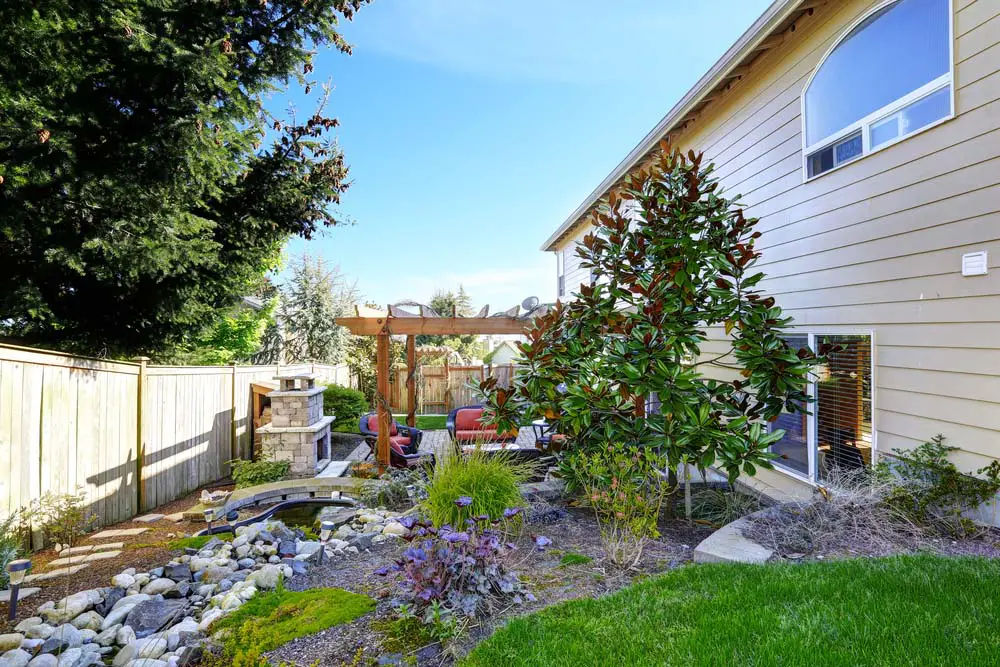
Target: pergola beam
{"x": 434, "y": 326}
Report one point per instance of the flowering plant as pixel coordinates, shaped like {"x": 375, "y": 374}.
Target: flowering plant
{"x": 453, "y": 572}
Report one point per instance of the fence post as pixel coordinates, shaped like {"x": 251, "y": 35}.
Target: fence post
{"x": 234, "y": 450}
{"x": 140, "y": 427}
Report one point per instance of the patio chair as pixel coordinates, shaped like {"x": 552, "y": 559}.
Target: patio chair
{"x": 404, "y": 442}
{"x": 546, "y": 438}
{"x": 465, "y": 426}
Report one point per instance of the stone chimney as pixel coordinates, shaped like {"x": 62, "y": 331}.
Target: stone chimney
{"x": 298, "y": 431}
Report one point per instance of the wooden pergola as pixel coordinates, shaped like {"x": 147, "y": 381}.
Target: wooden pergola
{"x": 395, "y": 321}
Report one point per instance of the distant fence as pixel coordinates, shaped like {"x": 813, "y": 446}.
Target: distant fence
{"x": 69, "y": 423}
{"x": 442, "y": 388}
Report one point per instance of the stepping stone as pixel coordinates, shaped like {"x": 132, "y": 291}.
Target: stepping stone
{"x": 108, "y": 546}
{"x": 176, "y": 517}
{"x": 149, "y": 518}
{"x": 73, "y": 551}
{"x": 97, "y": 555}
{"x": 55, "y": 574}
{"x": 25, "y": 593}
{"x": 335, "y": 469}
{"x": 120, "y": 532}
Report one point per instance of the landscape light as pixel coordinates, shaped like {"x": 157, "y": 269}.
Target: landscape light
{"x": 325, "y": 531}
{"x": 17, "y": 570}
{"x": 208, "y": 519}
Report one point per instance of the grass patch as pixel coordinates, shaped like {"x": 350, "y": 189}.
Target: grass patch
{"x": 572, "y": 558}
{"x": 267, "y": 621}
{"x": 198, "y": 541}
{"x": 424, "y": 423}
{"x": 905, "y": 610}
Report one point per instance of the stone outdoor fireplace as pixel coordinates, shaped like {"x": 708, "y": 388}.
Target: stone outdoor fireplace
{"x": 298, "y": 431}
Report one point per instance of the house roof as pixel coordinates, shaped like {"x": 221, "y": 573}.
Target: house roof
{"x": 767, "y": 32}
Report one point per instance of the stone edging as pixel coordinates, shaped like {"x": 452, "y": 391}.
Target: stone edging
{"x": 728, "y": 545}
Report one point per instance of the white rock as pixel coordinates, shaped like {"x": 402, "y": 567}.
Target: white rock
{"x": 123, "y": 580}
{"x": 395, "y": 528}
{"x": 27, "y": 623}
{"x": 125, "y": 636}
{"x": 159, "y": 586}
{"x": 209, "y": 617}
{"x": 147, "y": 662}
{"x": 15, "y": 658}
{"x": 266, "y": 578}
{"x": 89, "y": 620}
{"x": 40, "y": 631}
{"x": 31, "y": 645}
{"x": 198, "y": 563}
{"x": 150, "y": 647}
{"x": 44, "y": 660}
{"x": 142, "y": 578}
{"x": 10, "y": 641}
{"x": 71, "y": 606}
{"x": 107, "y": 637}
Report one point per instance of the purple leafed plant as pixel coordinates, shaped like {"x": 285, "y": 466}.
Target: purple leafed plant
{"x": 463, "y": 572}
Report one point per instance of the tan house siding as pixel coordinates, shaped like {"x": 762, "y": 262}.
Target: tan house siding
{"x": 876, "y": 245}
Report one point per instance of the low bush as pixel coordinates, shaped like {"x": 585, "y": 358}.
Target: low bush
{"x": 626, "y": 489}
{"x": 346, "y": 404}
{"x": 395, "y": 489}
{"x": 932, "y": 491}
{"x": 61, "y": 517}
{"x": 449, "y": 573}
{"x": 488, "y": 479}
{"x": 251, "y": 473}
{"x": 11, "y": 541}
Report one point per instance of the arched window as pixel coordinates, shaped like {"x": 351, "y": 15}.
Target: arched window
{"x": 888, "y": 77}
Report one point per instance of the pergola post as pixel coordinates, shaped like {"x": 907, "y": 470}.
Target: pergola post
{"x": 382, "y": 400}
{"x": 411, "y": 381}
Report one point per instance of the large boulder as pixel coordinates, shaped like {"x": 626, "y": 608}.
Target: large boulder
{"x": 71, "y": 606}
{"x": 149, "y": 616}
{"x": 159, "y": 586}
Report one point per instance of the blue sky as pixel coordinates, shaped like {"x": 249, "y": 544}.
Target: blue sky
{"x": 474, "y": 127}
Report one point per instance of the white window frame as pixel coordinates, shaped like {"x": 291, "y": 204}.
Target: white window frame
{"x": 864, "y": 124}
{"x": 812, "y": 426}
{"x": 560, "y": 274}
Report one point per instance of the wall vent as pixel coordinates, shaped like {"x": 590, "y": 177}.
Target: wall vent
{"x": 974, "y": 264}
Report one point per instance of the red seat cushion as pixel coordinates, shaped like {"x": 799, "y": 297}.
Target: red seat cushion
{"x": 468, "y": 419}
{"x": 396, "y": 446}
{"x": 373, "y": 425}
{"x": 400, "y": 440}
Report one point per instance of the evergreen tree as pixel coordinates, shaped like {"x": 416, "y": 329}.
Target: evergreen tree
{"x": 445, "y": 303}
{"x": 143, "y": 186}
{"x": 311, "y": 300}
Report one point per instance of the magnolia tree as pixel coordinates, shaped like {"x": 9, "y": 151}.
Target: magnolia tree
{"x": 624, "y": 364}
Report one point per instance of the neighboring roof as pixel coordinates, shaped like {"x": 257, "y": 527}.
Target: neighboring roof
{"x": 776, "y": 19}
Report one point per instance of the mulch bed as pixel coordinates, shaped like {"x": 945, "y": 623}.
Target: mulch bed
{"x": 573, "y": 530}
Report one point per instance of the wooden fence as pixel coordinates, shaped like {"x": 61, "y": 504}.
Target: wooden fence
{"x": 442, "y": 388}
{"x": 69, "y": 423}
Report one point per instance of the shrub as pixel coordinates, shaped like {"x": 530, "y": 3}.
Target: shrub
{"x": 395, "y": 489}
{"x": 448, "y": 573}
{"x": 347, "y": 405}
{"x": 251, "y": 473}
{"x": 11, "y": 541}
{"x": 490, "y": 480}
{"x": 933, "y": 492}
{"x": 61, "y": 517}
{"x": 626, "y": 488}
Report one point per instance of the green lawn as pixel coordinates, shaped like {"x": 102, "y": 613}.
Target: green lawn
{"x": 424, "y": 423}
{"x": 914, "y": 610}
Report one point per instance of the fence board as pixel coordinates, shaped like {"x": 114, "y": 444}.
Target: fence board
{"x": 440, "y": 389}
{"x": 69, "y": 423}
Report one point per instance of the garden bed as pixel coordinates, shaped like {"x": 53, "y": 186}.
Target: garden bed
{"x": 573, "y": 567}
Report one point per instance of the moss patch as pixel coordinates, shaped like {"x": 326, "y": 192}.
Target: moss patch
{"x": 267, "y": 621}
{"x": 573, "y": 558}
{"x": 198, "y": 541}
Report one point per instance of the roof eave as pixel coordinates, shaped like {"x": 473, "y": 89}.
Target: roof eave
{"x": 746, "y": 45}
